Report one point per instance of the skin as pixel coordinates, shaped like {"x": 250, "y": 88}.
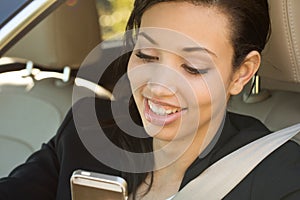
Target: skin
{"x": 170, "y": 85}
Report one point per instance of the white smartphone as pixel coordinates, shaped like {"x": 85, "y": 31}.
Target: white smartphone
{"x": 87, "y": 185}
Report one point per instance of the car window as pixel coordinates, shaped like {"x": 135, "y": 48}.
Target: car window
{"x": 113, "y": 16}
{"x": 9, "y": 9}
{"x": 19, "y": 16}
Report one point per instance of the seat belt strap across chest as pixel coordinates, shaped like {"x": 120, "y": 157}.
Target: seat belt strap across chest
{"x": 224, "y": 175}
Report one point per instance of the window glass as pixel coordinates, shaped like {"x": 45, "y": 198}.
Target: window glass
{"x": 113, "y": 16}
{"x": 9, "y": 8}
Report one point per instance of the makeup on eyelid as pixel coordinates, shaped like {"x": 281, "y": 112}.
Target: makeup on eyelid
{"x": 193, "y": 67}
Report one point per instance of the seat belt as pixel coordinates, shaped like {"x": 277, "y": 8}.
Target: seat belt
{"x": 224, "y": 175}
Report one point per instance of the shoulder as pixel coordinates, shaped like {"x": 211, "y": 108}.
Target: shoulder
{"x": 85, "y": 112}
{"x": 278, "y": 175}
{"x": 243, "y": 130}
{"x": 245, "y": 122}
{"x": 92, "y": 106}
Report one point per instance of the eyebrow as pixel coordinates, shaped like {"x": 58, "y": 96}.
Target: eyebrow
{"x": 186, "y": 49}
{"x": 191, "y": 49}
{"x": 147, "y": 37}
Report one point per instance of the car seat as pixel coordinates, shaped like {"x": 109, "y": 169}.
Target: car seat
{"x": 275, "y": 98}
{"x": 34, "y": 101}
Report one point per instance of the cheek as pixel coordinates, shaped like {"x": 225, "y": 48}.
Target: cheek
{"x": 130, "y": 66}
{"x": 224, "y": 77}
{"x": 203, "y": 96}
{"x": 135, "y": 75}
{"x": 227, "y": 81}
{"x": 199, "y": 87}
{"x": 211, "y": 91}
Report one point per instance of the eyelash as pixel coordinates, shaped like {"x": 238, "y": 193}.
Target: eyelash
{"x": 145, "y": 57}
{"x": 193, "y": 70}
{"x": 187, "y": 68}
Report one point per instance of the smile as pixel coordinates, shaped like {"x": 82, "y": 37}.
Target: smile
{"x": 160, "y": 110}
{"x": 161, "y": 114}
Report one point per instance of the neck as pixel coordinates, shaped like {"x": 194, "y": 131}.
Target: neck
{"x": 178, "y": 154}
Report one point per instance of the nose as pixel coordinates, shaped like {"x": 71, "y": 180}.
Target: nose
{"x": 161, "y": 89}
{"x": 164, "y": 76}
{"x": 162, "y": 81}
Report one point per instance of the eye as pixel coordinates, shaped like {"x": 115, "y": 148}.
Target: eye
{"x": 193, "y": 70}
{"x": 146, "y": 57}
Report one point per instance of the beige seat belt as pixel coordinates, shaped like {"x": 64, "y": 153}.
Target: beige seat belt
{"x": 220, "y": 178}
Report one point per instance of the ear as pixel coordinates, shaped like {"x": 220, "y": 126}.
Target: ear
{"x": 245, "y": 72}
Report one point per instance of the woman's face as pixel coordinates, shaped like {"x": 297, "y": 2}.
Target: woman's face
{"x": 181, "y": 69}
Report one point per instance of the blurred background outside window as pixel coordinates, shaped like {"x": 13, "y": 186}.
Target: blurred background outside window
{"x": 113, "y": 16}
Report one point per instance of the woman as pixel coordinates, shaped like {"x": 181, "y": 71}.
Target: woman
{"x": 189, "y": 57}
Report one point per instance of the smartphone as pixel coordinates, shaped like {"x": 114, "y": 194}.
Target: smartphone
{"x": 87, "y": 185}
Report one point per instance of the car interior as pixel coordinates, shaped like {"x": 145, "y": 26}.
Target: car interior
{"x": 36, "y": 79}
{"x": 38, "y": 73}
{"x": 275, "y": 97}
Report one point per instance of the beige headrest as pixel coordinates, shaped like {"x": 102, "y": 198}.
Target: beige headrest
{"x": 65, "y": 37}
{"x": 281, "y": 59}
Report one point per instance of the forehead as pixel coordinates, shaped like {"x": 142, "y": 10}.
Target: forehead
{"x": 204, "y": 25}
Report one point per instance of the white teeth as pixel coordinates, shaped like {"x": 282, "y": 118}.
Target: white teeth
{"x": 159, "y": 110}
{"x": 168, "y": 112}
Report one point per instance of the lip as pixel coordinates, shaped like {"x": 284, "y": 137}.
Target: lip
{"x": 161, "y": 120}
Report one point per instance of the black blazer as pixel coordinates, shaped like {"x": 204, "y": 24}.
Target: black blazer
{"x": 46, "y": 173}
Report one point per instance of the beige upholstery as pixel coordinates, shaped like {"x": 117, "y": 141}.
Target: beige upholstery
{"x": 64, "y": 38}
{"x": 280, "y": 71}
{"x": 32, "y": 109}
{"x": 281, "y": 62}
{"x": 30, "y": 115}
